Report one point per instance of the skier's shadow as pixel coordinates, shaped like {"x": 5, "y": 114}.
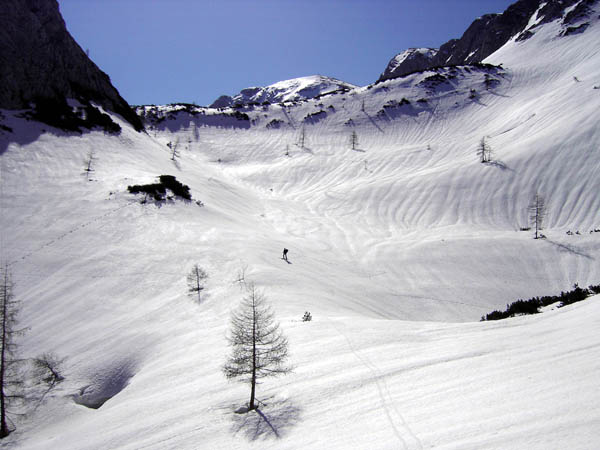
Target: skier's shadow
{"x": 287, "y": 260}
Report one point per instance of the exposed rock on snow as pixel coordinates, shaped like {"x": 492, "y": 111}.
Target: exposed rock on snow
{"x": 222, "y": 102}
{"x": 409, "y": 61}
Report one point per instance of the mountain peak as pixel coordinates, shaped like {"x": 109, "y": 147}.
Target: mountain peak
{"x": 490, "y": 32}
{"x": 294, "y": 89}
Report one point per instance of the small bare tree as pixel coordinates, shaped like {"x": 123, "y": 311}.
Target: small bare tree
{"x": 484, "y": 151}
{"x": 88, "y": 164}
{"x": 259, "y": 348}
{"x": 11, "y": 380}
{"x": 47, "y": 368}
{"x": 174, "y": 150}
{"x": 195, "y": 280}
{"x": 241, "y": 275}
{"x": 302, "y": 138}
{"x": 354, "y": 140}
{"x": 537, "y": 213}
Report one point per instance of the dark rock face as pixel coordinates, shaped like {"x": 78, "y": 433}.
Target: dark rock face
{"x": 41, "y": 63}
{"x": 409, "y": 61}
{"x": 222, "y": 102}
{"x": 581, "y": 12}
{"x": 490, "y": 32}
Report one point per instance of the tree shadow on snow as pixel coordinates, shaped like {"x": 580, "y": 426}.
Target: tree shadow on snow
{"x": 499, "y": 164}
{"x": 570, "y": 249}
{"x": 268, "y": 421}
{"x": 478, "y": 101}
{"x": 499, "y": 95}
{"x": 373, "y": 122}
{"x": 176, "y": 163}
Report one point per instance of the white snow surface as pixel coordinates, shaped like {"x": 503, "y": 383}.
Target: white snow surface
{"x": 397, "y": 248}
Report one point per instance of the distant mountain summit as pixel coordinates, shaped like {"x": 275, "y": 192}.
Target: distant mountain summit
{"x": 409, "y": 61}
{"x": 288, "y": 90}
{"x": 42, "y": 66}
{"x": 490, "y": 32}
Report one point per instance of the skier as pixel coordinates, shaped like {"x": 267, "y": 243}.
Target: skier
{"x": 285, "y": 252}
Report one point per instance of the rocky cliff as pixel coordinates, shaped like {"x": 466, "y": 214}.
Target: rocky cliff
{"x": 490, "y": 32}
{"x": 41, "y": 66}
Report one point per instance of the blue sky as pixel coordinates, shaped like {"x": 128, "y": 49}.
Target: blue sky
{"x": 164, "y": 51}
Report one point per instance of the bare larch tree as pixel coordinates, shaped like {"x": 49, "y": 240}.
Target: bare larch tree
{"x": 88, "y": 164}
{"x": 10, "y": 378}
{"x": 484, "y": 151}
{"x": 354, "y": 140}
{"x": 302, "y": 138}
{"x": 195, "y": 280}
{"x": 259, "y": 348}
{"x": 537, "y": 213}
{"x": 174, "y": 147}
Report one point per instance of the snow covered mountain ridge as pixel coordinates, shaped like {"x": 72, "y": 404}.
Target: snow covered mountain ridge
{"x": 491, "y": 31}
{"x": 296, "y": 89}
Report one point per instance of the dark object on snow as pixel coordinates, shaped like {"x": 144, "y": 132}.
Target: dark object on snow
{"x": 307, "y": 317}
{"x": 285, "y": 252}
{"x": 531, "y": 306}
{"x": 159, "y": 190}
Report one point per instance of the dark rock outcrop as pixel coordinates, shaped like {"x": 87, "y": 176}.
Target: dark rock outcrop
{"x": 222, "y": 102}
{"x": 409, "y": 61}
{"x": 40, "y": 63}
{"x": 488, "y": 33}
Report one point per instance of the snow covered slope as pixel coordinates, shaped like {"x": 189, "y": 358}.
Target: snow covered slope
{"x": 295, "y": 89}
{"x": 396, "y": 247}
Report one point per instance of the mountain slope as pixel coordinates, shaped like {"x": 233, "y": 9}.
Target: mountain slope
{"x": 416, "y": 179}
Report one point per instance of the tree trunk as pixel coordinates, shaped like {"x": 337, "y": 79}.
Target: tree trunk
{"x": 4, "y": 431}
{"x": 253, "y": 387}
{"x": 537, "y": 212}
{"x": 198, "y": 282}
